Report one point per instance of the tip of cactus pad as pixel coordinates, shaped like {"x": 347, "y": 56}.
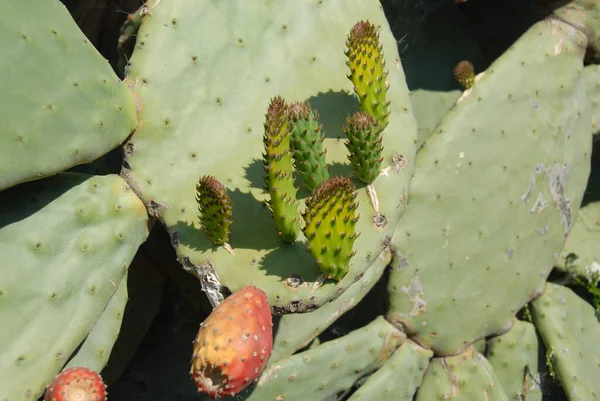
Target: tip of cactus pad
{"x": 215, "y": 209}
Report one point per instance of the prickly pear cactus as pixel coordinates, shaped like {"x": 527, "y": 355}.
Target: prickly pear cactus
{"x": 66, "y": 244}
{"x": 203, "y": 106}
{"x": 75, "y": 110}
{"x": 473, "y": 250}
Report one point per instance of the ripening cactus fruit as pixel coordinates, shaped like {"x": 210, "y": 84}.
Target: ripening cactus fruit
{"x": 330, "y": 218}
{"x": 76, "y": 384}
{"x": 215, "y": 209}
{"x": 279, "y": 170}
{"x": 464, "y": 73}
{"x": 368, "y": 71}
{"x": 233, "y": 344}
{"x": 307, "y": 144}
{"x": 364, "y": 145}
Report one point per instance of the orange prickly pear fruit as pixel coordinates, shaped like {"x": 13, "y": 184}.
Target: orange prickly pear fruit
{"x": 76, "y": 384}
{"x": 233, "y": 344}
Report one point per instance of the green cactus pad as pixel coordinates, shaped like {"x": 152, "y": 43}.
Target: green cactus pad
{"x": 464, "y": 377}
{"x": 62, "y": 103}
{"x": 581, "y": 255}
{"x": 591, "y": 73}
{"x": 296, "y": 331}
{"x": 66, "y": 241}
{"x": 471, "y": 249}
{"x": 279, "y": 170}
{"x": 339, "y": 363}
{"x": 203, "y": 106}
{"x": 514, "y": 357}
{"x": 307, "y": 138}
{"x": 364, "y": 145}
{"x": 98, "y": 345}
{"x": 215, "y": 209}
{"x": 399, "y": 378}
{"x": 330, "y": 226}
{"x": 571, "y": 332}
{"x": 464, "y": 73}
{"x": 368, "y": 71}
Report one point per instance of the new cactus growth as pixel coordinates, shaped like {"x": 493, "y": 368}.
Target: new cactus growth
{"x": 279, "y": 168}
{"x": 215, "y": 209}
{"x": 367, "y": 70}
{"x": 464, "y": 73}
{"x": 364, "y": 145}
{"x": 307, "y": 144}
{"x": 330, "y": 218}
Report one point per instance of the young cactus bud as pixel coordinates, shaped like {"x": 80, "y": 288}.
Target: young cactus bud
{"x": 330, "y": 218}
{"x": 215, "y": 209}
{"x": 364, "y": 145}
{"x": 464, "y": 72}
{"x": 307, "y": 144}
{"x": 367, "y": 71}
{"x": 279, "y": 169}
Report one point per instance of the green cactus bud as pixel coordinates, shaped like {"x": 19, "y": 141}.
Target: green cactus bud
{"x": 367, "y": 70}
{"x": 464, "y": 72}
{"x": 330, "y": 218}
{"x": 279, "y": 168}
{"x": 364, "y": 145}
{"x": 307, "y": 144}
{"x": 215, "y": 209}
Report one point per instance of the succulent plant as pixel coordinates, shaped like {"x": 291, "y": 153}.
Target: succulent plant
{"x": 468, "y": 230}
{"x": 464, "y": 73}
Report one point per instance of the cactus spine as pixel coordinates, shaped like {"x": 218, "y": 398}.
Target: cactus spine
{"x": 330, "y": 218}
{"x": 307, "y": 144}
{"x": 367, "y": 70}
{"x": 364, "y": 145}
{"x": 279, "y": 168}
{"x": 215, "y": 209}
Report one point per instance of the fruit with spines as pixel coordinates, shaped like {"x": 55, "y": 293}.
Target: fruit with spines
{"x": 233, "y": 344}
{"x": 330, "y": 222}
{"x": 279, "y": 169}
{"x": 464, "y": 73}
{"x": 364, "y": 145}
{"x": 307, "y": 144}
{"x": 76, "y": 384}
{"x": 215, "y": 209}
{"x": 368, "y": 72}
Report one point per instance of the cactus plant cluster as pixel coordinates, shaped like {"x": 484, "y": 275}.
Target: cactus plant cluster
{"x": 291, "y": 140}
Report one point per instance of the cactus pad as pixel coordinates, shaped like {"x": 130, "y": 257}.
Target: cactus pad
{"x": 514, "y": 357}
{"x": 364, "y": 145}
{"x": 471, "y": 251}
{"x": 340, "y": 364}
{"x": 465, "y": 377}
{"x": 66, "y": 242}
{"x": 203, "y": 106}
{"x": 399, "y": 378}
{"x": 215, "y": 209}
{"x": 330, "y": 226}
{"x": 368, "y": 71}
{"x": 571, "y": 332}
{"x": 279, "y": 169}
{"x": 307, "y": 144}
{"x": 63, "y": 105}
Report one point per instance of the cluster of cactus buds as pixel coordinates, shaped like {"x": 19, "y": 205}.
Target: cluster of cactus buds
{"x": 293, "y": 145}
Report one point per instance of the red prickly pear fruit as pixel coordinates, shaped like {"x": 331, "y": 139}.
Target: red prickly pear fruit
{"x": 233, "y": 344}
{"x": 76, "y": 384}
